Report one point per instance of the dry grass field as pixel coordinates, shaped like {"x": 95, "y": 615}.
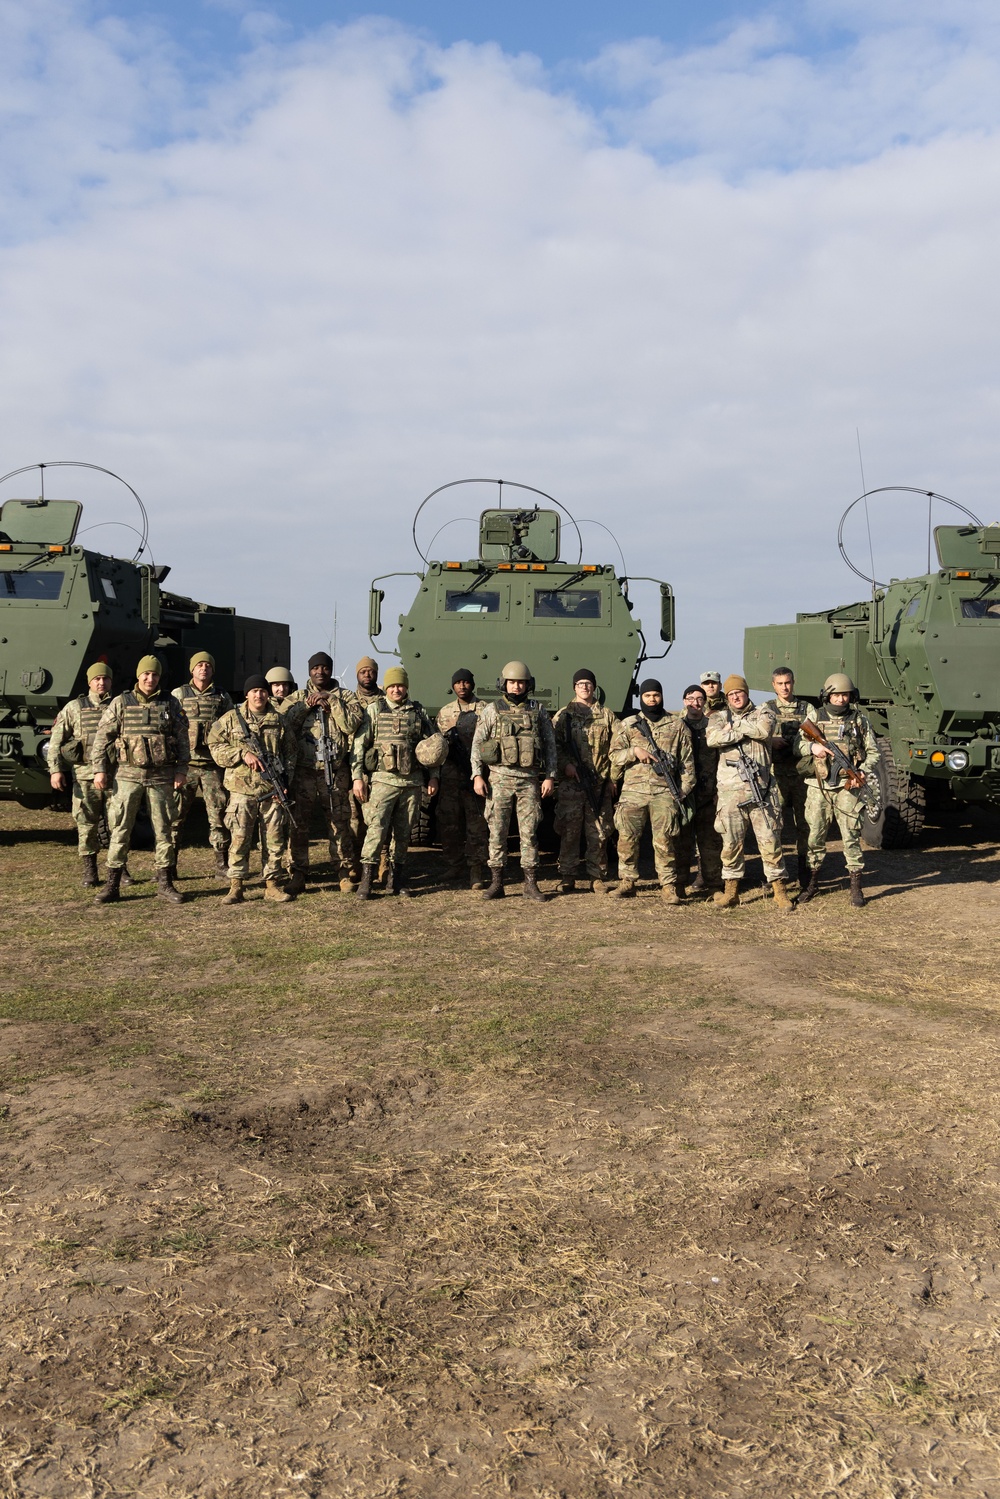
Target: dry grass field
{"x": 437, "y": 1198}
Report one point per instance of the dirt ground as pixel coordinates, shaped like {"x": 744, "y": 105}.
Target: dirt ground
{"x": 434, "y": 1197}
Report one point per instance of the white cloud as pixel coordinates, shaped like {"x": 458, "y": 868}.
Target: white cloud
{"x": 288, "y": 304}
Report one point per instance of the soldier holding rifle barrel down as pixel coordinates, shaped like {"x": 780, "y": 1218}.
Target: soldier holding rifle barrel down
{"x": 256, "y": 746}
{"x": 655, "y": 751}
{"x": 838, "y": 756}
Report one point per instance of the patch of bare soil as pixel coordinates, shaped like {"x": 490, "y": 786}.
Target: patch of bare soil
{"x": 436, "y": 1198}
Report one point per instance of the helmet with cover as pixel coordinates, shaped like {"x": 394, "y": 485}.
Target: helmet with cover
{"x": 516, "y": 671}
{"x": 432, "y": 752}
{"x": 838, "y": 681}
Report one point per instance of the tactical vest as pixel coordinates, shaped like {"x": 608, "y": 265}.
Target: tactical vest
{"x": 142, "y": 739}
{"x": 398, "y": 729}
{"x": 520, "y": 736}
{"x": 201, "y": 710}
{"x": 77, "y": 751}
{"x": 845, "y": 731}
{"x": 591, "y": 734}
{"x": 789, "y": 716}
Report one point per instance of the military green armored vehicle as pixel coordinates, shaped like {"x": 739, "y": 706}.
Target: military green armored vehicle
{"x": 62, "y": 607}
{"x": 924, "y": 653}
{"x": 517, "y": 600}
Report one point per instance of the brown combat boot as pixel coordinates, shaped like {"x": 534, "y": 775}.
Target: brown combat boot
{"x": 531, "y": 890}
{"x": 221, "y": 864}
{"x": 277, "y": 891}
{"x": 296, "y": 884}
{"x": 728, "y": 897}
{"x": 165, "y": 887}
{"x": 781, "y": 896}
{"x": 669, "y": 896}
{"x": 347, "y": 885}
{"x": 111, "y": 890}
{"x": 681, "y": 889}
{"x": 477, "y": 877}
{"x": 235, "y": 896}
{"x": 808, "y": 891}
{"x": 624, "y": 889}
{"x": 91, "y": 879}
{"x": 365, "y": 883}
{"x": 129, "y": 879}
{"x": 397, "y": 882}
{"x": 567, "y": 885}
{"x": 495, "y": 890}
{"x": 857, "y": 894}
{"x": 599, "y": 885}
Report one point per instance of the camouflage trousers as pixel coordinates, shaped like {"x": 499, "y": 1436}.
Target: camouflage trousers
{"x": 88, "y": 808}
{"x": 390, "y": 812}
{"x": 576, "y": 818}
{"x": 701, "y": 835}
{"x": 359, "y": 832}
{"x": 510, "y": 789}
{"x": 461, "y": 825}
{"x": 207, "y": 780}
{"x": 665, "y": 825}
{"x": 821, "y": 808}
{"x": 247, "y": 815}
{"x": 732, "y": 822}
{"x": 309, "y": 792}
{"x": 795, "y": 824}
{"x": 123, "y": 809}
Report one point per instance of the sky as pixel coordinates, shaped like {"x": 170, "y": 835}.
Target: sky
{"x": 289, "y": 268}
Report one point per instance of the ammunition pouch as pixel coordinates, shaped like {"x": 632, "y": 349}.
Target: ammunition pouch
{"x": 371, "y": 761}
{"x": 489, "y": 752}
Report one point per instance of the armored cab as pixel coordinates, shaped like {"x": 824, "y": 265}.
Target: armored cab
{"x": 925, "y": 655}
{"x": 518, "y": 601}
{"x": 62, "y": 607}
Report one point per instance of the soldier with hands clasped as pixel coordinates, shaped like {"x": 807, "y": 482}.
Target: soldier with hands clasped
{"x": 789, "y": 711}
{"x": 828, "y": 794}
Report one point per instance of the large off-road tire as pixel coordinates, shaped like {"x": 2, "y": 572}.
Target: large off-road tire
{"x": 904, "y": 805}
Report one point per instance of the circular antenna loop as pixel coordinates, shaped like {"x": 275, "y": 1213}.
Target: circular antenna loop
{"x": 929, "y": 495}
{"x": 97, "y": 469}
{"x": 501, "y": 484}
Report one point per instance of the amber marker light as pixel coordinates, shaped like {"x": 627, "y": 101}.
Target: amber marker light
{"x": 938, "y": 757}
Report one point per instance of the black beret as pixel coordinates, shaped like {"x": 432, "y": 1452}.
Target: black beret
{"x": 650, "y": 685}
{"x": 256, "y": 681}
{"x": 321, "y": 659}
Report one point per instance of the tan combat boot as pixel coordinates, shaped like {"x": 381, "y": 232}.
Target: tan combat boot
{"x": 599, "y": 885}
{"x": 347, "y": 885}
{"x": 728, "y": 897}
{"x": 624, "y": 888}
{"x": 669, "y": 896}
{"x": 274, "y": 891}
{"x": 781, "y": 898}
{"x": 235, "y": 896}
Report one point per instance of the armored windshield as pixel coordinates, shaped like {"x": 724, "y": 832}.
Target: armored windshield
{"x": 981, "y": 609}
{"x": 567, "y": 603}
{"x": 30, "y": 585}
{"x": 479, "y": 602}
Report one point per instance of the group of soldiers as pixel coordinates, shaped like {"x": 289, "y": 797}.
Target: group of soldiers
{"x": 365, "y": 758}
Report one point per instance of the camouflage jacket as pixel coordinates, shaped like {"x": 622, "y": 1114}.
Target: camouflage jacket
{"x": 459, "y": 722}
{"x": 498, "y": 734}
{"x": 147, "y": 736}
{"x": 672, "y": 735}
{"x": 201, "y": 708}
{"x": 788, "y": 716}
{"x": 341, "y": 720}
{"x": 389, "y": 734}
{"x": 852, "y": 732}
{"x": 751, "y": 728}
{"x": 591, "y": 727}
{"x": 72, "y": 736}
{"x": 228, "y": 747}
{"x": 706, "y": 761}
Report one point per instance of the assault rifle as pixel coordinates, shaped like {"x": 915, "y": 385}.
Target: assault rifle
{"x": 593, "y": 788}
{"x": 751, "y": 775}
{"x": 662, "y": 763}
{"x": 458, "y": 753}
{"x": 867, "y": 791}
{"x": 269, "y": 771}
{"x": 324, "y": 750}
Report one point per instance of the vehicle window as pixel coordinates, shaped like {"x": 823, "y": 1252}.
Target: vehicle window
{"x": 567, "y": 603}
{"x": 913, "y": 606}
{"x": 480, "y": 602}
{"x": 981, "y": 609}
{"x": 109, "y": 590}
{"x": 30, "y": 585}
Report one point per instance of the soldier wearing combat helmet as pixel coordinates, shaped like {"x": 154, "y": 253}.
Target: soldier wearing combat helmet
{"x": 516, "y": 748}
{"x": 69, "y": 754}
{"x": 145, "y": 734}
{"x": 202, "y": 704}
{"x": 282, "y": 684}
{"x": 827, "y": 795}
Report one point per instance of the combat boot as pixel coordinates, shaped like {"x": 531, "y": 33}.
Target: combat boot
{"x": 477, "y": 877}
{"x": 111, "y": 891}
{"x": 599, "y": 885}
{"x": 221, "y": 864}
{"x": 857, "y": 894}
{"x": 235, "y": 896}
{"x": 495, "y": 890}
{"x": 728, "y": 897}
{"x": 365, "y": 883}
{"x": 624, "y": 888}
{"x": 455, "y": 872}
{"x": 347, "y": 885}
{"x": 681, "y": 889}
{"x": 808, "y": 891}
{"x": 91, "y": 879}
{"x": 129, "y": 879}
{"x": 165, "y": 887}
{"x": 276, "y": 891}
{"x": 781, "y": 896}
{"x": 669, "y": 896}
{"x": 296, "y": 884}
{"x": 698, "y": 882}
{"x": 531, "y": 890}
{"x": 567, "y": 885}
{"x": 397, "y": 881}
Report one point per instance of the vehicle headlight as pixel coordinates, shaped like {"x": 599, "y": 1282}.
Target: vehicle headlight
{"x": 958, "y": 759}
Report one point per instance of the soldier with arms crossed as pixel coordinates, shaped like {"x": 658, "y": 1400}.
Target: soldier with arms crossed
{"x": 253, "y": 804}
{"x": 202, "y": 703}
{"x": 827, "y": 795}
{"x": 645, "y": 794}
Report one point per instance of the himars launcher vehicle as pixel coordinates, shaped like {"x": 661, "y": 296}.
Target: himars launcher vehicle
{"x": 63, "y": 607}
{"x": 924, "y": 653}
{"x": 517, "y": 600}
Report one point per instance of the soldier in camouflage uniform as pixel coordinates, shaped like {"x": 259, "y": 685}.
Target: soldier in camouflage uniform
{"x": 145, "y": 733}
{"x": 789, "y": 711}
{"x": 253, "y": 806}
{"x": 69, "y": 755}
{"x": 585, "y": 793}
{"x": 645, "y": 794}
{"x": 700, "y": 833}
{"x": 202, "y": 703}
{"x": 827, "y": 796}
{"x": 742, "y": 725}
{"x": 282, "y": 685}
{"x": 389, "y": 746}
{"x": 328, "y": 716}
{"x": 461, "y": 826}
{"x": 367, "y": 692}
{"x": 515, "y": 746}
{"x": 711, "y": 685}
